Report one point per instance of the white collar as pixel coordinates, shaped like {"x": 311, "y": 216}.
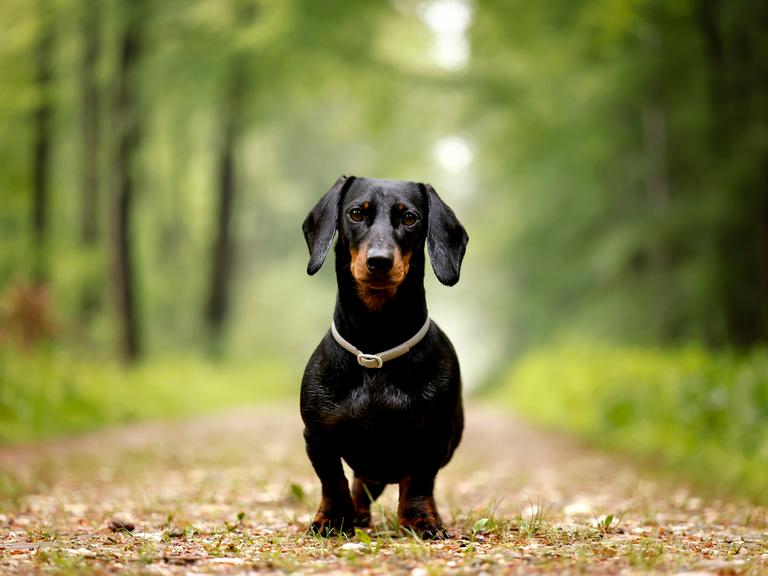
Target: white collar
{"x": 377, "y": 360}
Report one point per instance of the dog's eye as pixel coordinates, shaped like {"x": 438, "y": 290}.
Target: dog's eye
{"x": 356, "y": 215}
{"x": 409, "y": 219}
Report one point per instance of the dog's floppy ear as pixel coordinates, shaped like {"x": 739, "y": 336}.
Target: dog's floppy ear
{"x": 320, "y": 225}
{"x": 446, "y": 239}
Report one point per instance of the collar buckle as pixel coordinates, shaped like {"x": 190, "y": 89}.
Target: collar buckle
{"x": 369, "y": 360}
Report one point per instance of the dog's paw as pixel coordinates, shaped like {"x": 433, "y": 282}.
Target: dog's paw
{"x": 328, "y": 526}
{"x": 363, "y": 519}
{"x": 426, "y": 528}
{"x": 419, "y": 517}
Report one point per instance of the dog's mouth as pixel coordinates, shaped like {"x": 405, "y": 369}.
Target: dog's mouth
{"x": 375, "y": 287}
{"x": 376, "y": 293}
{"x": 379, "y": 282}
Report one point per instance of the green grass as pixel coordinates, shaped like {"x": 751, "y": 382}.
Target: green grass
{"x": 52, "y": 393}
{"x": 704, "y": 413}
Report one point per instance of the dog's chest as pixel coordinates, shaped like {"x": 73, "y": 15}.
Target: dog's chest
{"x": 378, "y": 398}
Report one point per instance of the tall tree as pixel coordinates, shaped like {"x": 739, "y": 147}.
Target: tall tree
{"x": 41, "y": 157}
{"x": 231, "y": 122}
{"x": 734, "y": 36}
{"x": 90, "y": 154}
{"x": 128, "y": 127}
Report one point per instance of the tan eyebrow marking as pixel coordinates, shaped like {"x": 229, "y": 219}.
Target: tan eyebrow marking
{"x": 366, "y": 205}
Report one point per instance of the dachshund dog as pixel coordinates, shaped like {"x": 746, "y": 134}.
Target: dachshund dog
{"x": 395, "y": 416}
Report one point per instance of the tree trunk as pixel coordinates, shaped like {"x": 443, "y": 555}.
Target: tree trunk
{"x": 90, "y": 104}
{"x": 222, "y": 255}
{"x": 128, "y": 136}
{"x": 738, "y": 80}
{"x": 41, "y": 154}
{"x": 90, "y": 124}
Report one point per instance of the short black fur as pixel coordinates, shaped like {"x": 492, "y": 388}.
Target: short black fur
{"x": 400, "y": 423}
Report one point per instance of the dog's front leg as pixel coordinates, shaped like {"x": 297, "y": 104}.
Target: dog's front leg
{"x": 336, "y": 514}
{"x": 416, "y": 510}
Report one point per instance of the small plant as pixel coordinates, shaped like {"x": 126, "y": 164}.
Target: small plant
{"x": 147, "y": 552}
{"x": 44, "y": 534}
{"x": 234, "y": 526}
{"x": 61, "y": 562}
{"x": 605, "y": 523}
{"x": 481, "y": 521}
{"x": 168, "y": 521}
{"x": 480, "y": 526}
{"x": 646, "y": 555}
{"x": 535, "y": 522}
{"x": 297, "y": 493}
{"x": 215, "y": 546}
{"x": 363, "y": 536}
{"x": 609, "y": 523}
{"x": 391, "y": 524}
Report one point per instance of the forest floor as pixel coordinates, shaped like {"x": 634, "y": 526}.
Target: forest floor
{"x": 234, "y": 492}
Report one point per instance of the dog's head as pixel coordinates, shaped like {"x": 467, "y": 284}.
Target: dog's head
{"x": 382, "y": 223}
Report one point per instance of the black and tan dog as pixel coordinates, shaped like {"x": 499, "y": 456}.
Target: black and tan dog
{"x": 396, "y": 416}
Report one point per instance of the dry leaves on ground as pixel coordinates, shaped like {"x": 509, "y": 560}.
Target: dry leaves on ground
{"x": 234, "y": 494}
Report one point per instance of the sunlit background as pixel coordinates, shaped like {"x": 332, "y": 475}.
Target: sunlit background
{"x": 607, "y": 158}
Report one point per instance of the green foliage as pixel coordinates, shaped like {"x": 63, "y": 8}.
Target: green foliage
{"x": 314, "y": 106}
{"x": 480, "y": 526}
{"x": 634, "y": 209}
{"x": 52, "y": 393}
{"x": 705, "y": 413}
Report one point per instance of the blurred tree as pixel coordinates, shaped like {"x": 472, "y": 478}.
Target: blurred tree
{"x": 633, "y": 134}
{"x": 734, "y": 38}
{"x": 42, "y": 143}
{"x": 128, "y": 127}
{"x": 232, "y": 124}
{"x": 91, "y": 150}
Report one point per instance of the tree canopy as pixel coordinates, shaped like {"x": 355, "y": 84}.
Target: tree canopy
{"x": 608, "y": 158}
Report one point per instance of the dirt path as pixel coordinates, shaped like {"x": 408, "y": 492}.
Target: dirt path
{"x": 234, "y": 493}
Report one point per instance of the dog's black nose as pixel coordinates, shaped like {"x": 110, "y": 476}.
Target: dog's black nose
{"x": 379, "y": 260}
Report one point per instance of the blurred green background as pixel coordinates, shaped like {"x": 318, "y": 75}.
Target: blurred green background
{"x": 609, "y": 159}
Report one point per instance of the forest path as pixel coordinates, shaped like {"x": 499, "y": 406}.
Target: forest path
{"x": 234, "y": 493}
